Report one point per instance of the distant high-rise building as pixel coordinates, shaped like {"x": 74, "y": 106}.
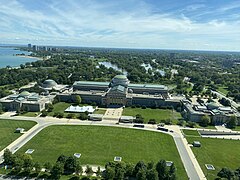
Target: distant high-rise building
{"x": 29, "y": 46}
{"x": 45, "y": 48}
{"x": 35, "y": 48}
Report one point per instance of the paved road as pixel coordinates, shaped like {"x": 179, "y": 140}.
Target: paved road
{"x": 220, "y": 95}
{"x": 190, "y": 163}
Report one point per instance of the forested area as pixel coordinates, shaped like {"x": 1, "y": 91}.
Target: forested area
{"x": 211, "y": 70}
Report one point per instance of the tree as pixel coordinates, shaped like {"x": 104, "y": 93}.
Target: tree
{"x": 232, "y": 122}
{"x": 44, "y": 113}
{"x": 8, "y": 157}
{"x": 50, "y": 107}
{"x": 139, "y": 119}
{"x": 57, "y": 170}
{"x": 161, "y": 168}
{"x": 99, "y": 172}
{"x": 205, "y": 120}
{"x": 109, "y": 173}
{"x": 60, "y": 115}
{"x": 237, "y": 173}
{"x": 1, "y": 108}
{"x": 89, "y": 171}
{"x": 152, "y": 121}
{"x": 150, "y": 165}
{"x": 70, "y": 165}
{"x": 37, "y": 167}
{"x": 47, "y": 166}
{"x": 129, "y": 170}
{"x": 27, "y": 163}
{"x": 172, "y": 172}
{"x": 141, "y": 174}
{"x": 140, "y": 165}
{"x": 18, "y": 165}
{"x": 120, "y": 169}
{"x": 152, "y": 174}
{"x": 78, "y": 100}
{"x": 62, "y": 159}
{"x": 78, "y": 169}
{"x": 70, "y": 116}
{"x": 226, "y": 173}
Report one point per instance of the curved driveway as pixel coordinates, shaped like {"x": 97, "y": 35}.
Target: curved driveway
{"x": 190, "y": 163}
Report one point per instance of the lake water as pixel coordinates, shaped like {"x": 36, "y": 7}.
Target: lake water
{"x": 148, "y": 66}
{"x": 108, "y": 65}
{"x": 8, "y": 58}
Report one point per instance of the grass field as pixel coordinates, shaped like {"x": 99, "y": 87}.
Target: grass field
{"x": 30, "y": 114}
{"x": 7, "y": 129}
{"x": 99, "y": 111}
{"x": 218, "y": 152}
{"x": 158, "y": 114}
{"x": 223, "y": 89}
{"x": 59, "y": 107}
{"x": 190, "y": 132}
{"x": 237, "y": 128}
{"x": 99, "y": 145}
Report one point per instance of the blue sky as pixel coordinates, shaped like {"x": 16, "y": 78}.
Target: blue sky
{"x": 163, "y": 24}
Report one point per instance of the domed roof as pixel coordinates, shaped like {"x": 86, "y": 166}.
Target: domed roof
{"x": 120, "y": 77}
{"x": 49, "y": 83}
{"x": 212, "y": 105}
{"x": 120, "y": 80}
{"x": 24, "y": 93}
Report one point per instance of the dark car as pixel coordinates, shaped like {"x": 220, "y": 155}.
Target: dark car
{"x": 138, "y": 125}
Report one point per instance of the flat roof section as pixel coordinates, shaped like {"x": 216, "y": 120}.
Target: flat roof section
{"x": 90, "y": 83}
{"x": 148, "y": 86}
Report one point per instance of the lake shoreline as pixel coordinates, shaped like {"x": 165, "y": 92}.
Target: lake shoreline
{"x": 31, "y": 57}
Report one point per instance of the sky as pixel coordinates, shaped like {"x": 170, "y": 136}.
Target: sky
{"x": 158, "y": 24}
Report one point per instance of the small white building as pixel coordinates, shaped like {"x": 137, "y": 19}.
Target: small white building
{"x": 19, "y": 130}
{"x": 78, "y": 109}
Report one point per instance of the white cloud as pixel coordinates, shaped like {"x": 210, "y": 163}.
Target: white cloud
{"x": 89, "y": 23}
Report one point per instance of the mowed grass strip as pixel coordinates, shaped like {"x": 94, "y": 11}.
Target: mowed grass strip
{"x": 99, "y": 144}
{"x": 7, "y": 129}
{"x": 218, "y": 152}
{"x": 188, "y": 132}
{"x": 148, "y": 113}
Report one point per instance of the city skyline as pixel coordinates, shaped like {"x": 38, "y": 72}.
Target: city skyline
{"x": 191, "y": 25}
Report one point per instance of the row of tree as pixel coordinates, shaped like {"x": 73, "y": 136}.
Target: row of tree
{"x": 140, "y": 171}
{"x": 229, "y": 174}
{"x": 68, "y": 165}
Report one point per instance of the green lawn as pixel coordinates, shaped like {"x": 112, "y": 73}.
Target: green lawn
{"x": 99, "y": 144}
{"x": 223, "y": 89}
{"x": 158, "y": 114}
{"x": 188, "y": 132}
{"x": 237, "y": 128}
{"x": 207, "y": 127}
{"x": 99, "y": 111}
{"x": 7, "y": 129}
{"x": 218, "y": 152}
{"x": 30, "y": 114}
{"x": 59, "y": 107}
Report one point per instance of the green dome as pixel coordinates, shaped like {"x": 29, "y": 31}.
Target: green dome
{"x": 120, "y": 80}
{"x": 49, "y": 83}
{"x": 120, "y": 77}
{"x": 24, "y": 93}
